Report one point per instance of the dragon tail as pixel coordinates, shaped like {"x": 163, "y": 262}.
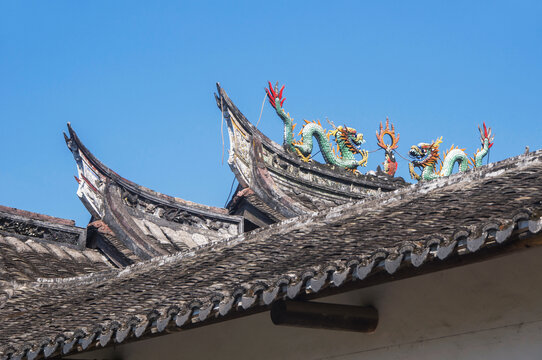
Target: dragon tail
{"x": 486, "y": 138}
{"x": 274, "y": 95}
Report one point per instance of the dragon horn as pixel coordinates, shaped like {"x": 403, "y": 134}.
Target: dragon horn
{"x": 281, "y": 90}
{"x": 282, "y": 102}
{"x": 485, "y": 129}
{"x": 436, "y": 143}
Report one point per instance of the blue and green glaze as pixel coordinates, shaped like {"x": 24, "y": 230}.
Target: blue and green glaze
{"x": 348, "y": 139}
{"x": 425, "y": 156}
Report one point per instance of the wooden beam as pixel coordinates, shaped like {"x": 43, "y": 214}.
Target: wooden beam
{"x": 318, "y": 315}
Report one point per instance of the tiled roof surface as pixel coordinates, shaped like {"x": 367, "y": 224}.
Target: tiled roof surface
{"x": 34, "y": 246}
{"x": 408, "y": 228}
{"x": 27, "y": 259}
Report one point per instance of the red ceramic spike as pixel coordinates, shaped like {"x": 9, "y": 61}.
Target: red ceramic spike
{"x": 270, "y": 98}
{"x": 272, "y": 90}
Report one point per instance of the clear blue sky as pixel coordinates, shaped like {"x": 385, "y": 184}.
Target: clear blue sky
{"x": 136, "y": 78}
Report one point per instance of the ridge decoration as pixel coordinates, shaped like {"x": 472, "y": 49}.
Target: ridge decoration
{"x": 425, "y": 157}
{"x": 390, "y": 164}
{"x": 348, "y": 140}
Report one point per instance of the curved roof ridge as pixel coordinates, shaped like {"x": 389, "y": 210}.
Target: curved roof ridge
{"x": 123, "y": 181}
{"x": 145, "y": 223}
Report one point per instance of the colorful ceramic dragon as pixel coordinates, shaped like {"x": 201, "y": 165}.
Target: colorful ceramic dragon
{"x": 425, "y": 157}
{"x": 390, "y": 164}
{"x": 347, "y": 139}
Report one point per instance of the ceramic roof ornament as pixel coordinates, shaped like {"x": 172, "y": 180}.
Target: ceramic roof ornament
{"x": 425, "y": 156}
{"x": 348, "y": 140}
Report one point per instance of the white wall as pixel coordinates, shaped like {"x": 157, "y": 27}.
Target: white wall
{"x": 489, "y": 310}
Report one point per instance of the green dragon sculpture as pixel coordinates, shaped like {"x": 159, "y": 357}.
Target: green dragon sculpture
{"x": 348, "y": 139}
{"x": 425, "y": 157}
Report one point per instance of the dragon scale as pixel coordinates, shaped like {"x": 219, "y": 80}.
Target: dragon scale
{"x": 455, "y": 155}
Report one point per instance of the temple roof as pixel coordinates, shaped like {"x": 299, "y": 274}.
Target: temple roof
{"x": 282, "y": 185}
{"x": 473, "y": 215}
{"x": 143, "y": 223}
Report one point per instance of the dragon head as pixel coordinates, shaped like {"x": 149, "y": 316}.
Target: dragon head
{"x": 425, "y": 154}
{"x": 349, "y": 140}
{"x": 349, "y": 137}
